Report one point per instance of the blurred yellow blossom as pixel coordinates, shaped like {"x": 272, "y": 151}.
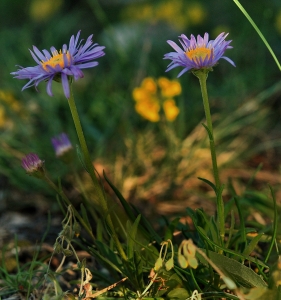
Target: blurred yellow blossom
{"x": 278, "y": 22}
{"x": 196, "y": 13}
{"x": 149, "y": 109}
{"x": 169, "y": 88}
{"x": 170, "y": 109}
{"x": 149, "y": 85}
{"x": 41, "y": 10}
{"x": 154, "y": 95}
{"x": 175, "y": 13}
{"x": 7, "y": 101}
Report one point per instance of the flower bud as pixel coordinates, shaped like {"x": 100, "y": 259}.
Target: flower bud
{"x": 33, "y": 165}
{"x": 63, "y": 148}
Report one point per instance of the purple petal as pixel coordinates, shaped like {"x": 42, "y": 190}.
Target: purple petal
{"x": 38, "y": 53}
{"x": 34, "y": 57}
{"x": 229, "y": 60}
{"x": 49, "y": 87}
{"x": 65, "y": 85}
{"x": 175, "y": 46}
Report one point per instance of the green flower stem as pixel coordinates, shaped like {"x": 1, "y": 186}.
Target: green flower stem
{"x": 67, "y": 201}
{"x": 91, "y": 170}
{"x": 202, "y": 76}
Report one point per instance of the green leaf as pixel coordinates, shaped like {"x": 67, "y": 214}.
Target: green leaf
{"x": 85, "y": 216}
{"x": 81, "y": 158}
{"x": 252, "y": 245}
{"x": 129, "y": 211}
{"x": 139, "y": 270}
{"x": 211, "y": 226}
{"x": 214, "y": 231}
{"x": 171, "y": 228}
{"x": 209, "y": 183}
{"x": 210, "y": 242}
{"x": 209, "y": 132}
{"x": 261, "y": 293}
{"x": 99, "y": 230}
{"x": 131, "y": 236}
{"x": 234, "y": 269}
{"x": 242, "y": 223}
{"x": 153, "y": 235}
{"x": 231, "y": 188}
{"x": 178, "y": 293}
{"x": 174, "y": 281}
{"x": 105, "y": 261}
{"x": 107, "y": 253}
{"x": 275, "y": 225}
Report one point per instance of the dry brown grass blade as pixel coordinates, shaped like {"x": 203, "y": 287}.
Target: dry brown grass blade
{"x": 96, "y": 294}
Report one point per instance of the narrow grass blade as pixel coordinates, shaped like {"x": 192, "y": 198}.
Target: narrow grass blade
{"x": 258, "y": 32}
{"x": 242, "y": 224}
{"x": 250, "y": 248}
{"x": 275, "y": 225}
{"x": 132, "y": 232}
{"x": 85, "y": 216}
{"x": 153, "y": 235}
{"x": 209, "y": 183}
{"x": 244, "y": 257}
{"x": 126, "y": 206}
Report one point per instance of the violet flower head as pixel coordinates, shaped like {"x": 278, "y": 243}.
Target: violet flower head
{"x": 63, "y": 148}
{"x": 61, "y": 144}
{"x": 59, "y": 65}
{"x": 33, "y": 165}
{"x": 198, "y": 54}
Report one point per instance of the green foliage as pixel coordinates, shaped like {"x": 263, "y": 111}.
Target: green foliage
{"x": 208, "y": 257}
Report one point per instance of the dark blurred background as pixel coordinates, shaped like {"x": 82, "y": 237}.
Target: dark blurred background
{"x": 134, "y": 33}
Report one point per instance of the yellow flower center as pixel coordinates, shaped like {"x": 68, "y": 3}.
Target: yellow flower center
{"x": 198, "y": 53}
{"x": 57, "y": 59}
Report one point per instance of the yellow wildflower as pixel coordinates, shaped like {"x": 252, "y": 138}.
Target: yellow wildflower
{"x": 278, "y": 22}
{"x": 148, "y": 109}
{"x": 154, "y": 94}
{"x": 149, "y": 85}
{"x": 2, "y": 117}
{"x": 169, "y": 88}
{"x": 170, "y": 109}
{"x": 7, "y": 100}
{"x": 140, "y": 94}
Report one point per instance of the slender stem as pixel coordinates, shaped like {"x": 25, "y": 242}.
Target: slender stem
{"x": 64, "y": 197}
{"x": 85, "y": 151}
{"x": 202, "y": 76}
{"x": 91, "y": 170}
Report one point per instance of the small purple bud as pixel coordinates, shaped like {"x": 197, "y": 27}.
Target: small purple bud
{"x": 33, "y": 165}
{"x": 63, "y": 147}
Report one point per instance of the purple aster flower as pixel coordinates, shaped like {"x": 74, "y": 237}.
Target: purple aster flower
{"x": 200, "y": 54}
{"x": 61, "y": 144}
{"x": 33, "y": 165}
{"x": 60, "y": 64}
